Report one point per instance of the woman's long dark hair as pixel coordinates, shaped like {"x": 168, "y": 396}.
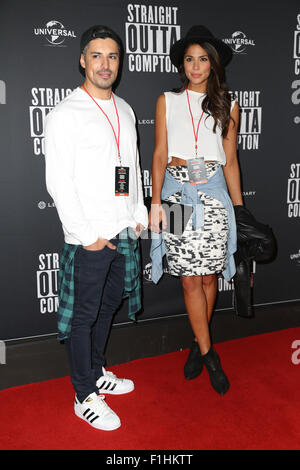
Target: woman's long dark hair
{"x": 217, "y": 102}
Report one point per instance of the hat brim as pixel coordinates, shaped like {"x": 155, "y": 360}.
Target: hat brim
{"x": 178, "y": 48}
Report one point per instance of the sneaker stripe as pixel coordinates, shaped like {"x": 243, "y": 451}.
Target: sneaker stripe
{"x": 113, "y": 387}
{"x": 93, "y": 419}
{"x": 107, "y": 387}
{"x": 86, "y": 411}
{"x": 102, "y": 385}
{"x": 90, "y": 415}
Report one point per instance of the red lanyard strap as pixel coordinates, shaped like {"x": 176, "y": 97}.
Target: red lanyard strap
{"x": 117, "y": 139}
{"x": 195, "y": 133}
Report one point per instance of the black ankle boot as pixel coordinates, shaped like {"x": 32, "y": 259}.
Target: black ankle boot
{"x": 194, "y": 364}
{"x": 217, "y": 376}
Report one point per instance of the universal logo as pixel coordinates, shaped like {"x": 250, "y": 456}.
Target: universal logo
{"x": 239, "y": 42}
{"x": 55, "y": 33}
{"x": 2, "y": 92}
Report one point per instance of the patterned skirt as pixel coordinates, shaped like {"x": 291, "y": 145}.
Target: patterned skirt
{"x": 203, "y": 251}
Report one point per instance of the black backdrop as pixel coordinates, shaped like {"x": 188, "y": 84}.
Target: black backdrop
{"x": 39, "y": 50}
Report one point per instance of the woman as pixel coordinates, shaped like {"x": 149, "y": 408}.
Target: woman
{"x": 195, "y": 148}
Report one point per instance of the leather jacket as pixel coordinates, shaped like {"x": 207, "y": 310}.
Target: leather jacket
{"x": 255, "y": 241}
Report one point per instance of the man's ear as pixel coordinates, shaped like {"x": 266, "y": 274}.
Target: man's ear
{"x": 82, "y": 61}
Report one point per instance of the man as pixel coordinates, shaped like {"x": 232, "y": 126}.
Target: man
{"x": 93, "y": 176}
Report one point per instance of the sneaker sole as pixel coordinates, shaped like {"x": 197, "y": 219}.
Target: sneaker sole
{"x": 78, "y": 413}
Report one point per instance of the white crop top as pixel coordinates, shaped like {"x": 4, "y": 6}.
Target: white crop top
{"x": 181, "y": 140}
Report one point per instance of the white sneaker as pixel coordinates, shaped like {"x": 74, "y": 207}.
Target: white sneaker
{"x": 97, "y": 413}
{"x": 109, "y": 383}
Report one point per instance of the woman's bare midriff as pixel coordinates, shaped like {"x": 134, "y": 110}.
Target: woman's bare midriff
{"x": 180, "y": 162}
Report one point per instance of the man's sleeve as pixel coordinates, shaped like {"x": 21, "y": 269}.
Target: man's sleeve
{"x": 60, "y": 159}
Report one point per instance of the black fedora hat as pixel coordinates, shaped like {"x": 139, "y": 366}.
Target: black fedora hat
{"x": 198, "y": 34}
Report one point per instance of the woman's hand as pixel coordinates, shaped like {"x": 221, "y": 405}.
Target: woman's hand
{"x": 231, "y": 169}
{"x": 157, "y": 218}
{"x": 138, "y": 229}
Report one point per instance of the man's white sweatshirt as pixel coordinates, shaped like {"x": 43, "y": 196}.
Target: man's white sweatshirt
{"x": 81, "y": 156}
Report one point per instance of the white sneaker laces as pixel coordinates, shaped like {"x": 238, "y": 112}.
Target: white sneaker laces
{"x": 100, "y": 406}
{"x": 112, "y": 376}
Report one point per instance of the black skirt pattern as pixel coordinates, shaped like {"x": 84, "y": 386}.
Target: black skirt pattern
{"x": 203, "y": 251}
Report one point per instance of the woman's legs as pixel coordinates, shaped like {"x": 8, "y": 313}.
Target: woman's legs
{"x": 210, "y": 284}
{"x": 199, "y": 295}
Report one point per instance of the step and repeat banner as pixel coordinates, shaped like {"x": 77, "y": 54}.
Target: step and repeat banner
{"x": 39, "y": 51}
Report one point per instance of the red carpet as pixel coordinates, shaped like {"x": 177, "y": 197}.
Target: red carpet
{"x": 260, "y": 411}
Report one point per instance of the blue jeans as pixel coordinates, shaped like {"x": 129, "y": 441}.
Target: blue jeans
{"x": 98, "y": 285}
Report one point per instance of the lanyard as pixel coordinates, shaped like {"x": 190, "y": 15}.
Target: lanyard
{"x": 117, "y": 139}
{"x": 195, "y": 133}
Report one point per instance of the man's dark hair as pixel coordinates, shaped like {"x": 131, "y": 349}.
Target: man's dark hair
{"x": 102, "y": 32}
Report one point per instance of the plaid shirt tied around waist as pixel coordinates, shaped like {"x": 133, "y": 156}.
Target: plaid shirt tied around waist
{"x": 127, "y": 246}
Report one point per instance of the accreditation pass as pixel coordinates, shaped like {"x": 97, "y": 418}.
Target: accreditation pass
{"x": 122, "y": 181}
